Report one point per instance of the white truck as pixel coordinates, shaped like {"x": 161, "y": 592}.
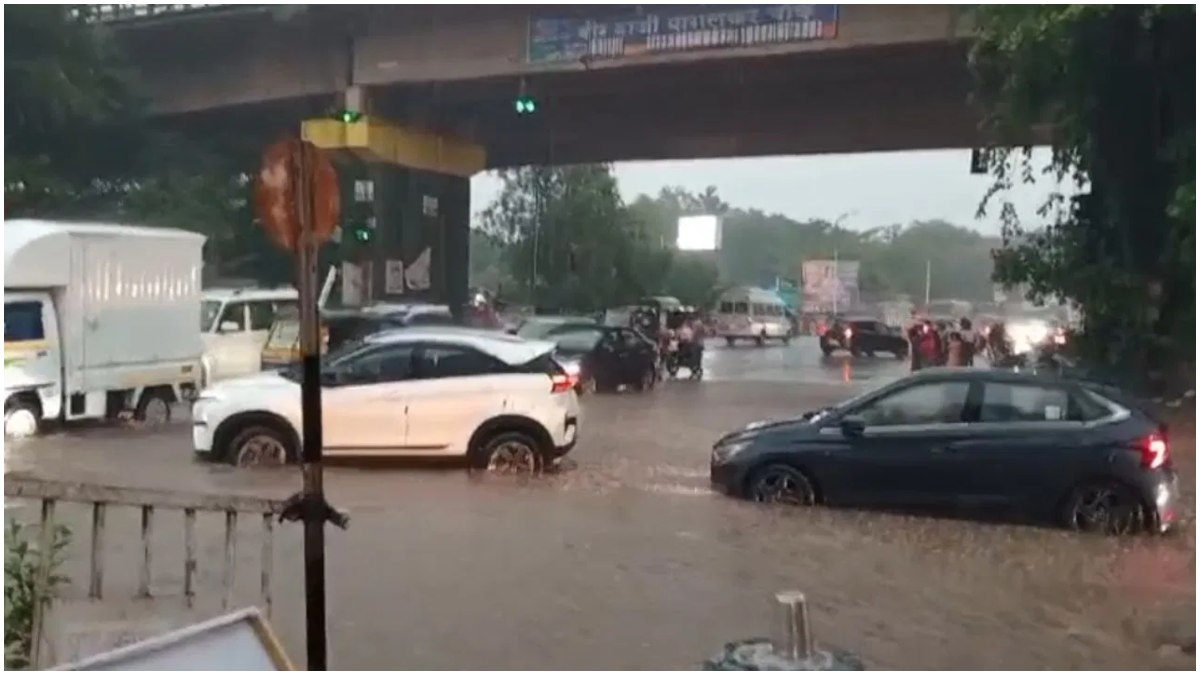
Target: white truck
{"x": 99, "y": 320}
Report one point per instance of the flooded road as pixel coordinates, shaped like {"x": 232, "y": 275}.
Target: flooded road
{"x": 626, "y": 560}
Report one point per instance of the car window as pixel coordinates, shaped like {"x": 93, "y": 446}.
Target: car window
{"x": 927, "y": 403}
{"x": 262, "y": 314}
{"x": 579, "y": 340}
{"x": 23, "y": 321}
{"x": 430, "y": 319}
{"x": 438, "y": 361}
{"x": 741, "y": 308}
{"x": 1010, "y": 402}
{"x": 387, "y": 363}
{"x": 235, "y": 312}
{"x": 631, "y": 340}
{"x": 208, "y": 313}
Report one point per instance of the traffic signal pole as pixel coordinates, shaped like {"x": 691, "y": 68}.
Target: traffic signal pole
{"x": 310, "y": 404}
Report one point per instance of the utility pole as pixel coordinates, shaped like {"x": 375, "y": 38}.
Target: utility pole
{"x": 928, "y": 278}
{"x": 837, "y": 282}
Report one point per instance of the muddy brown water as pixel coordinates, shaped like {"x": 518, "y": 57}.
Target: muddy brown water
{"x": 626, "y": 560}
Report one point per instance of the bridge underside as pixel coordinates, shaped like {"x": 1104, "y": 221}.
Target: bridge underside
{"x": 862, "y": 100}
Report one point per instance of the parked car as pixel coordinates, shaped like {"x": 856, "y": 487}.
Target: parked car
{"x": 235, "y": 323}
{"x": 864, "y": 336}
{"x": 1073, "y": 451}
{"x": 606, "y": 357}
{"x": 338, "y": 326}
{"x": 501, "y": 402}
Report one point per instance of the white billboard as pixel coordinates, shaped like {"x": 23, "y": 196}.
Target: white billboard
{"x": 698, "y": 233}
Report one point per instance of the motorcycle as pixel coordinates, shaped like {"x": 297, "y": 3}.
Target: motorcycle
{"x": 690, "y": 358}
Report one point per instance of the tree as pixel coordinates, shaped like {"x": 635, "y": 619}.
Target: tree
{"x": 78, "y": 145}
{"x": 1114, "y": 88}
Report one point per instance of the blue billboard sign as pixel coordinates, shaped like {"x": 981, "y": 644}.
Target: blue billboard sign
{"x": 564, "y": 36}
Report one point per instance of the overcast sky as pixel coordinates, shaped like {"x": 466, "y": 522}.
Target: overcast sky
{"x": 869, "y": 189}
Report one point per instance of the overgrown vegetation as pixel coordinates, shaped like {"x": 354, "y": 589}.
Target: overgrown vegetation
{"x": 594, "y": 251}
{"x": 79, "y": 144}
{"x": 1113, "y": 89}
{"x": 22, "y": 558}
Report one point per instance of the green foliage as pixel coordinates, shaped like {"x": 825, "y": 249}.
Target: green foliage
{"x": 21, "y": 561}
{"x": 79, "y": 146}
{"x": 570, "y": 239}
{"x": 1113, "y": 88}
{"x": 594, "y": 252}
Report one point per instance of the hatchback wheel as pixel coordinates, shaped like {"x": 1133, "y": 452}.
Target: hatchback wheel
{"x": 1104, "y": 508}
{"x": 781, "y": 484}
{"x": 508, "y": 453}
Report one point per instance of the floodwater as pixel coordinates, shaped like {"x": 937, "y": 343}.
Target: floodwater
{"x": 627, "y": 560}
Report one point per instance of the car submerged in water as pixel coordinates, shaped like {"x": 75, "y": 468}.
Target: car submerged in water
{"x": 1080, "y": 454}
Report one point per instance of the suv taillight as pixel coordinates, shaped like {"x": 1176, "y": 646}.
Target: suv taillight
{"x": 562, "y": 382}
{"x": 1155, "y": 451}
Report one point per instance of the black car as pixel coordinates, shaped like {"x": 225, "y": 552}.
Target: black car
{"x": 542, "y": 327}
{"x": 864, "y": 336}
{"x": 606, "y": 357}
{"x": 1080, "y": 453}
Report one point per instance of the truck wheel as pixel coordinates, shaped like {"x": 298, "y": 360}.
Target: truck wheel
{"x": 155, "y": 407}
{"x": 728, "y": 342}
{"x": 760, "y": 340}
{"x": 21, "y": 419}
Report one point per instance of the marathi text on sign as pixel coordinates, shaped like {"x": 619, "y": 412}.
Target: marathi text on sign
{"x": 557, "y": 38}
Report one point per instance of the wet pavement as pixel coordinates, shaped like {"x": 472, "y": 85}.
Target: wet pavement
{"x": 626, "y": 559}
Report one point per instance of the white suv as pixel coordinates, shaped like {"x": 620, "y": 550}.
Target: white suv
{"x": 500, "y": 401}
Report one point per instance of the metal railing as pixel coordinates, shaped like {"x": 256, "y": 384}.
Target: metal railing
{"x": 151, "y": 503}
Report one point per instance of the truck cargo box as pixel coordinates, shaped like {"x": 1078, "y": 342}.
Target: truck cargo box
{"x": 125, "y": 296}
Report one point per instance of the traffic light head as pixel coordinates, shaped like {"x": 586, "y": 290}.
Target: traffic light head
{"x": 525, "y": 105}
{"x": 359, "y": 233}
{"x": 347, "y": 116}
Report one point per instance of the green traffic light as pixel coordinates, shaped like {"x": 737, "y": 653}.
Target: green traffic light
{"x": 349, "y": 116}
{"x": 362, "y": 234}
{"x": 525, "y": 105}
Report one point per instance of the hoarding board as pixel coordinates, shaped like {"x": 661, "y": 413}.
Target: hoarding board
{"x": 562, "y": 35}
{"x": 241, "y": 640}
{"x": 825, "y": 280}
{"x": 698, "y": 233}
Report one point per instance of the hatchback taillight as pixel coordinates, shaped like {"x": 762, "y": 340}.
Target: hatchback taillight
{"x": 1155, "y": 451}
{"x": 562, "y": 382}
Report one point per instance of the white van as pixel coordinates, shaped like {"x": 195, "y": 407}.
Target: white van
{"x": 235, "y": 323}
{"x": 99, "y": 320}
{"x": 749, "y": 313}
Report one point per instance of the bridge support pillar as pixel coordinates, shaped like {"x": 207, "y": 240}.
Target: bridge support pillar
{"x": 414, "y": 187}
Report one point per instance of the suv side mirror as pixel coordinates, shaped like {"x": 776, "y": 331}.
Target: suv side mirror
{"x": 852, "y": 426}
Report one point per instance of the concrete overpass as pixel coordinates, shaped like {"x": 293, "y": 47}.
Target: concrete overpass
{"x": 880, "y": 77}
{"x": 612, "y": 83}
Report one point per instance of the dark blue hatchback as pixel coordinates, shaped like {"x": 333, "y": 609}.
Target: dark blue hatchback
{"x": 1078, "y": 453}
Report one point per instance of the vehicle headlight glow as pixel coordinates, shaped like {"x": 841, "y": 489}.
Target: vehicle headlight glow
{"x": 1028, "y": 334}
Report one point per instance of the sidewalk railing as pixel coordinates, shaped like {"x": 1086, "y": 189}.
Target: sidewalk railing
{"x": 151, "y": 503}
